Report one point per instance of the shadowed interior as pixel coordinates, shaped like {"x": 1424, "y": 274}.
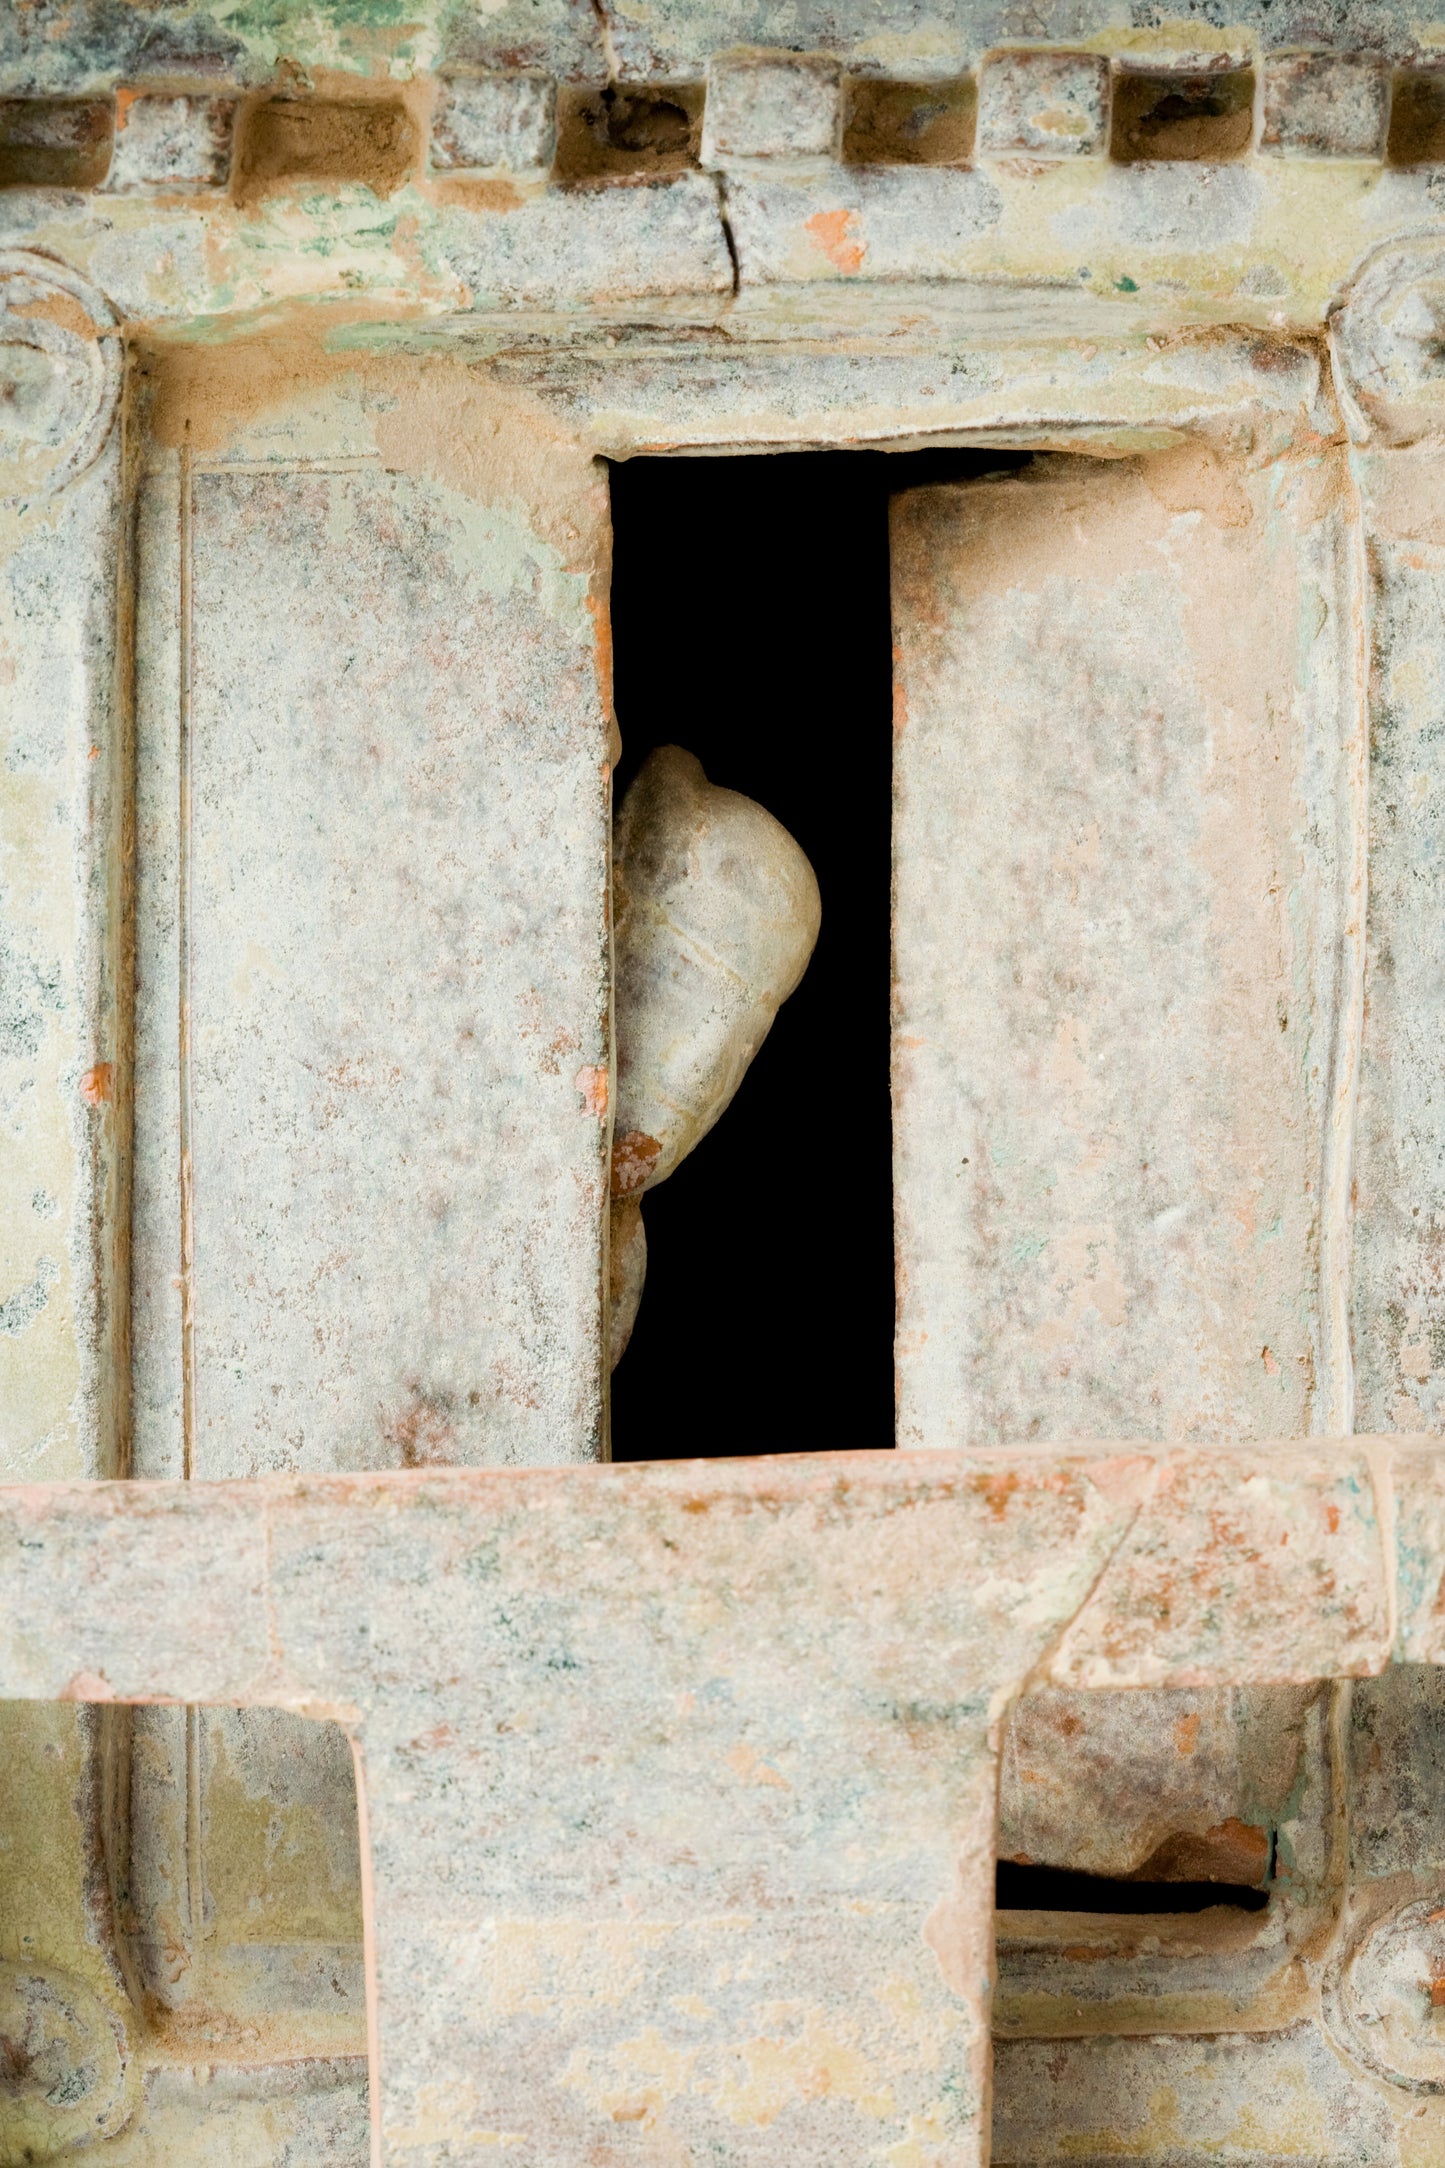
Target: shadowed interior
{"x": 750, "y": 614}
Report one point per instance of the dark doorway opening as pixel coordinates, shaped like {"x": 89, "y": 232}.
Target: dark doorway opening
{"x": 750, "y": 622}
{"x": 1063, "y": 1889}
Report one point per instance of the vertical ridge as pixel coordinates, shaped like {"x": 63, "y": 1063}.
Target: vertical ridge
{"x": 1342, "y": 1098}
{"x": 194, "y": 1893}
{"x": 183, "y": 935}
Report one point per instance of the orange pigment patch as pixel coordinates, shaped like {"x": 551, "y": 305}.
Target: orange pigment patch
{"x": 633, "y": 1158}
{"x": 1186, "y": 1734}
{"x": 601, "y": 616}
{"x": 832, "y": 234}
{"x": 1233, "y": 1851}
{"x": 61, "y": 309}
{"x": 430, "y": 1742}
{"x": 1332, "y": 1517}
{"x": 592, "y": 1083}
{"x": 996, "y": 1491}
{"x": 466, "y": 192}
{"x": 88, "y": 1686}
{"x": 1437, "y": 1994}
{"x": 98, "y": 1083}
{"x": 745, "y": 1762}
{"x": 423, "y": 1435}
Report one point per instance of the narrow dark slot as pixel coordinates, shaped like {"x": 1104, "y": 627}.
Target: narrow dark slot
{"x": 750, "y": 618}
{"x": 1060, "y": 1889}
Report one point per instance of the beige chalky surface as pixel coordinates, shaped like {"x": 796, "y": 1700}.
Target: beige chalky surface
{"x": 679, "y": 1781}
{"x": 1098, "y": 1782}
{"x": 373, "y": 1086}
{"x": 300, "y": 467}
{"x": 1128, "y": 844}
{"x": 372, "y": 1063}
{"x": 1399, "y": 1293}
{"x": 62, "y": 764}
{"x": 1287, "y": 2098}
{"x": 1118, "y": 935}
{"x": 63, "y": 767}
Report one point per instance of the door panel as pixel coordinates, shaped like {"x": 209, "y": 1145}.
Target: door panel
{"x": 1119, "y": 919}
{"x": 1126, "y": 979}
{"x": 373, "y": 1031}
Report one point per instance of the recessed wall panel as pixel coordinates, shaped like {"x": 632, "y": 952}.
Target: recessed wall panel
{"x": 378, "y": 869}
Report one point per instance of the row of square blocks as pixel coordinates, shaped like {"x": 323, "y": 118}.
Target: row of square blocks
{"x": 783, "y": 107}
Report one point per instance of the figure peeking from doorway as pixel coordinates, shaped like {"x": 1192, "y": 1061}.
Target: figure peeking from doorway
{"x": 715, "y": 915}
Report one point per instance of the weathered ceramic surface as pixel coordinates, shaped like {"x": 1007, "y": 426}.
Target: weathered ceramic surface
{"x": 474, "y": 221}
{"x": 373, "y": 1025}
{"x": 175, "y": 143}
{"x": 1399, "y": 1302}
{"x": 65, "y": 2005}
{"x": 1236, "y": 1786}
{"x": 679, "y": 1781}
{"x": 372, "y": 1056}
{"x": 1326, "y": 105}
{"x": 240, "y": 2116}
{"x": 771, "y": 105}
{"x": 1127, "y": 988}
{"x": 1145, "y": 1790}
{"x": 642, "y": 243}
{"x": 58, "y": 1051}
{"x": 1386, "y": 343}
{"x": 1265, "y": 243}
{"x": 1177, "y": 1603}
{"x": 1282, "y": 2098}
{"x": 776, "y": 297}
{"x": 92, "y": 42}
{"x": 60, "y": 805}
{"x": 1019, "y": 378}
{"x": 241, "y": 1885}
{"x": 1385, "y": 333}
{"x": 1042, "y": 104}
{"x": 495, "y": 124}
{"x": 1381, "y": 1997}
{"x": 62, "y": 1131}
{"x": 1118, "y": 948}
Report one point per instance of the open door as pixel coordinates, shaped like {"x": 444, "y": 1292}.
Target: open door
{"x": 1126, "y": 1009}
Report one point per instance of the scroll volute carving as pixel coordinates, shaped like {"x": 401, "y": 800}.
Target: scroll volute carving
{"x": 60, "y": 374}
{"x": 1389, "y": 342}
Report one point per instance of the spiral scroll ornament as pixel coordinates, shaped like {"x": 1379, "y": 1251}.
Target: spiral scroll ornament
{"x": 1385, "y": 1994}
{"x": 60, "y": 374}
